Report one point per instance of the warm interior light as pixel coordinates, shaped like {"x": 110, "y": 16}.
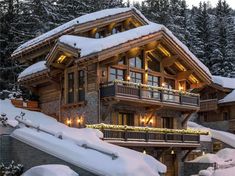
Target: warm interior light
{"x": 144, "y": 152}
{"x": 172, "y": 152}
{"x": 180, "y": 66}
{"x": 203, "y": 153}
{"x": 193, "y": 79}
{"x": 128, "y": 78}
{"x": 164, "y": 51}
{"x": 151, "y": 121}
{"x": 61, "y": 59}
{"x": 163, "y": 84}
{"x": 69, "y": 122}
{"x": 79, "y": 120}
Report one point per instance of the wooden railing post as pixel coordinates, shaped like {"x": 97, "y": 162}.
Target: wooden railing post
{"x": 182, "y": 137}
{"x": 125, "y": 134}
{"x": 165, "y": 137}
{"x": 115, "y": 88}
{"x": 146, "y": 136}
{"x": 140, "y": 92}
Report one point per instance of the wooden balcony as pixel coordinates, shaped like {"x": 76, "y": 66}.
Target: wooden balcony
{"x": 150, "y": 95}
{"x": 152, "y": 137}
{"x": 208, "y": 105}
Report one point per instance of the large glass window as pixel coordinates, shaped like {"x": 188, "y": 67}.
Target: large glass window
{"x": 153, "y": 80}
{"x": 136, "y": 77}
{"x": 136, "y": 62}
{"x": 70, "y": 87}
{"x": 116, "y": 74}
{"x": 81, "y": 83}
{"x": 153, "y": 65}
{"x": 126, "y": 119}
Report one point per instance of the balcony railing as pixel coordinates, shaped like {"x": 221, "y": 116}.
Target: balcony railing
{"x": 145, "y": 92}
{"x": 208, "y": 105}
{"x": 145, "y": 134}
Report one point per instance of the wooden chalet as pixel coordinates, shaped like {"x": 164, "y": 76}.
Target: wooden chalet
{"x": 116, "y": 67}
{"x": 217, "y": 105}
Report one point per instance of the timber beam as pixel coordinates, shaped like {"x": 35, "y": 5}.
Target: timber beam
{"x": 169, "y": 61}
{"x": 184, "y": 74}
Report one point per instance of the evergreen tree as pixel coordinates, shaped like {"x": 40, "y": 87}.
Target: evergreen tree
{"x": 203, "y": 33}
{"x": 10, "y": 37}
{"x": 223, "y": 40}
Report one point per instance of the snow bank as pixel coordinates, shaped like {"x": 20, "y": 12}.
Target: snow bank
{"x": 228, "y": 98}
{"x": 225, "y": 163}
{"x": 225, "y": 137}
{"x": 224, "y": 81}
{"x": 76, "y": 21}
{"x": 50, "y": 170}
{"x": 70, "y": 147}
{"x": 37, "y": 67}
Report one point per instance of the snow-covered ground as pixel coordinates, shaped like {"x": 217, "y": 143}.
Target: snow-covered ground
{"x": 68, "y": 144}
{"x": 50, "y": 170}
{"x": 225, "y": 163}
{"x": 225, "y": 137}
{"x": 224, "y": 159}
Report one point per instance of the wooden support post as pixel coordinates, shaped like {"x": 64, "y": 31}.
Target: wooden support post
{"x": 185, "y": 156}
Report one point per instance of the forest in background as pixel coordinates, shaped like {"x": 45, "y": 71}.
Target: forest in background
{"x": 208, "y": 32}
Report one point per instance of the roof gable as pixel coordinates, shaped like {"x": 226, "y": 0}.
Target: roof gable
{"x": 88, "y": 46}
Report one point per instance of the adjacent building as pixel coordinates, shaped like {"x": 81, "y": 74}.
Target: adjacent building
{"x": 116, "y": 67}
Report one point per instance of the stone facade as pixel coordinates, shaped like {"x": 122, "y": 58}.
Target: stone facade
{"x": 51, "y": 108}
{"x": 194, "y": 168}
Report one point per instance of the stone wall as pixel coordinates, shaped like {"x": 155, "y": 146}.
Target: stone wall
{"x": 194, "y": 168}
{"x": 12, "y": 149}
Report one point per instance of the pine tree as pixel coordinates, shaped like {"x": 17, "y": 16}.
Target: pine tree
{"x": 10, "y": 37}
{"x": 223, "y": 41}
{"x": 203, "y": 33}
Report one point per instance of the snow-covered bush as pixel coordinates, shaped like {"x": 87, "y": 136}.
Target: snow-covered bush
{"x": 12, "y": 169}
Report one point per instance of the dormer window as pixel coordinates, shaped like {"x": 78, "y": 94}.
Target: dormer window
{"x": 136, "y": 62}
{"x": 116, "y": 30}
{"x": 100, "y": 34}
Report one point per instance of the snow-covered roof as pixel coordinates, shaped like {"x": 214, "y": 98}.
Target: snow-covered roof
{"x": 37, "y": 67}
{"x": 225, "y": 137}
{"x": 69, "y": 145}
{"x": 228, "y": 98}
{"x": 89, "y": 45}
{"x": 50, "y": 169}
{"x": 82, "y": 19}
{"x": 224, "y": 81}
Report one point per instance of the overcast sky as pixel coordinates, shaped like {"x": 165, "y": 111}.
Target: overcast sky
{"x": 190, "y": 3}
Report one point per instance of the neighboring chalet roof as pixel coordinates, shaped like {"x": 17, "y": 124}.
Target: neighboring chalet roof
{"x": 228, "y": 98}
{"x": 89, "y": 46}
{"x": 33, "y": 69}
{"x": 82, "y": 19}
{"x": 225, "y": 82}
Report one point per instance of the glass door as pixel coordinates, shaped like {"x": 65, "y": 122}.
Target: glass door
{"x": 125, "y": 119}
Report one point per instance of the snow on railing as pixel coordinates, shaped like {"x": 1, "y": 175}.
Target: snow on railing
{"x": 59, "y": 135}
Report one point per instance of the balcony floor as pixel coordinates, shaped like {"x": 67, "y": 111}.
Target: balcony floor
{"x": 152, "y": 144}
